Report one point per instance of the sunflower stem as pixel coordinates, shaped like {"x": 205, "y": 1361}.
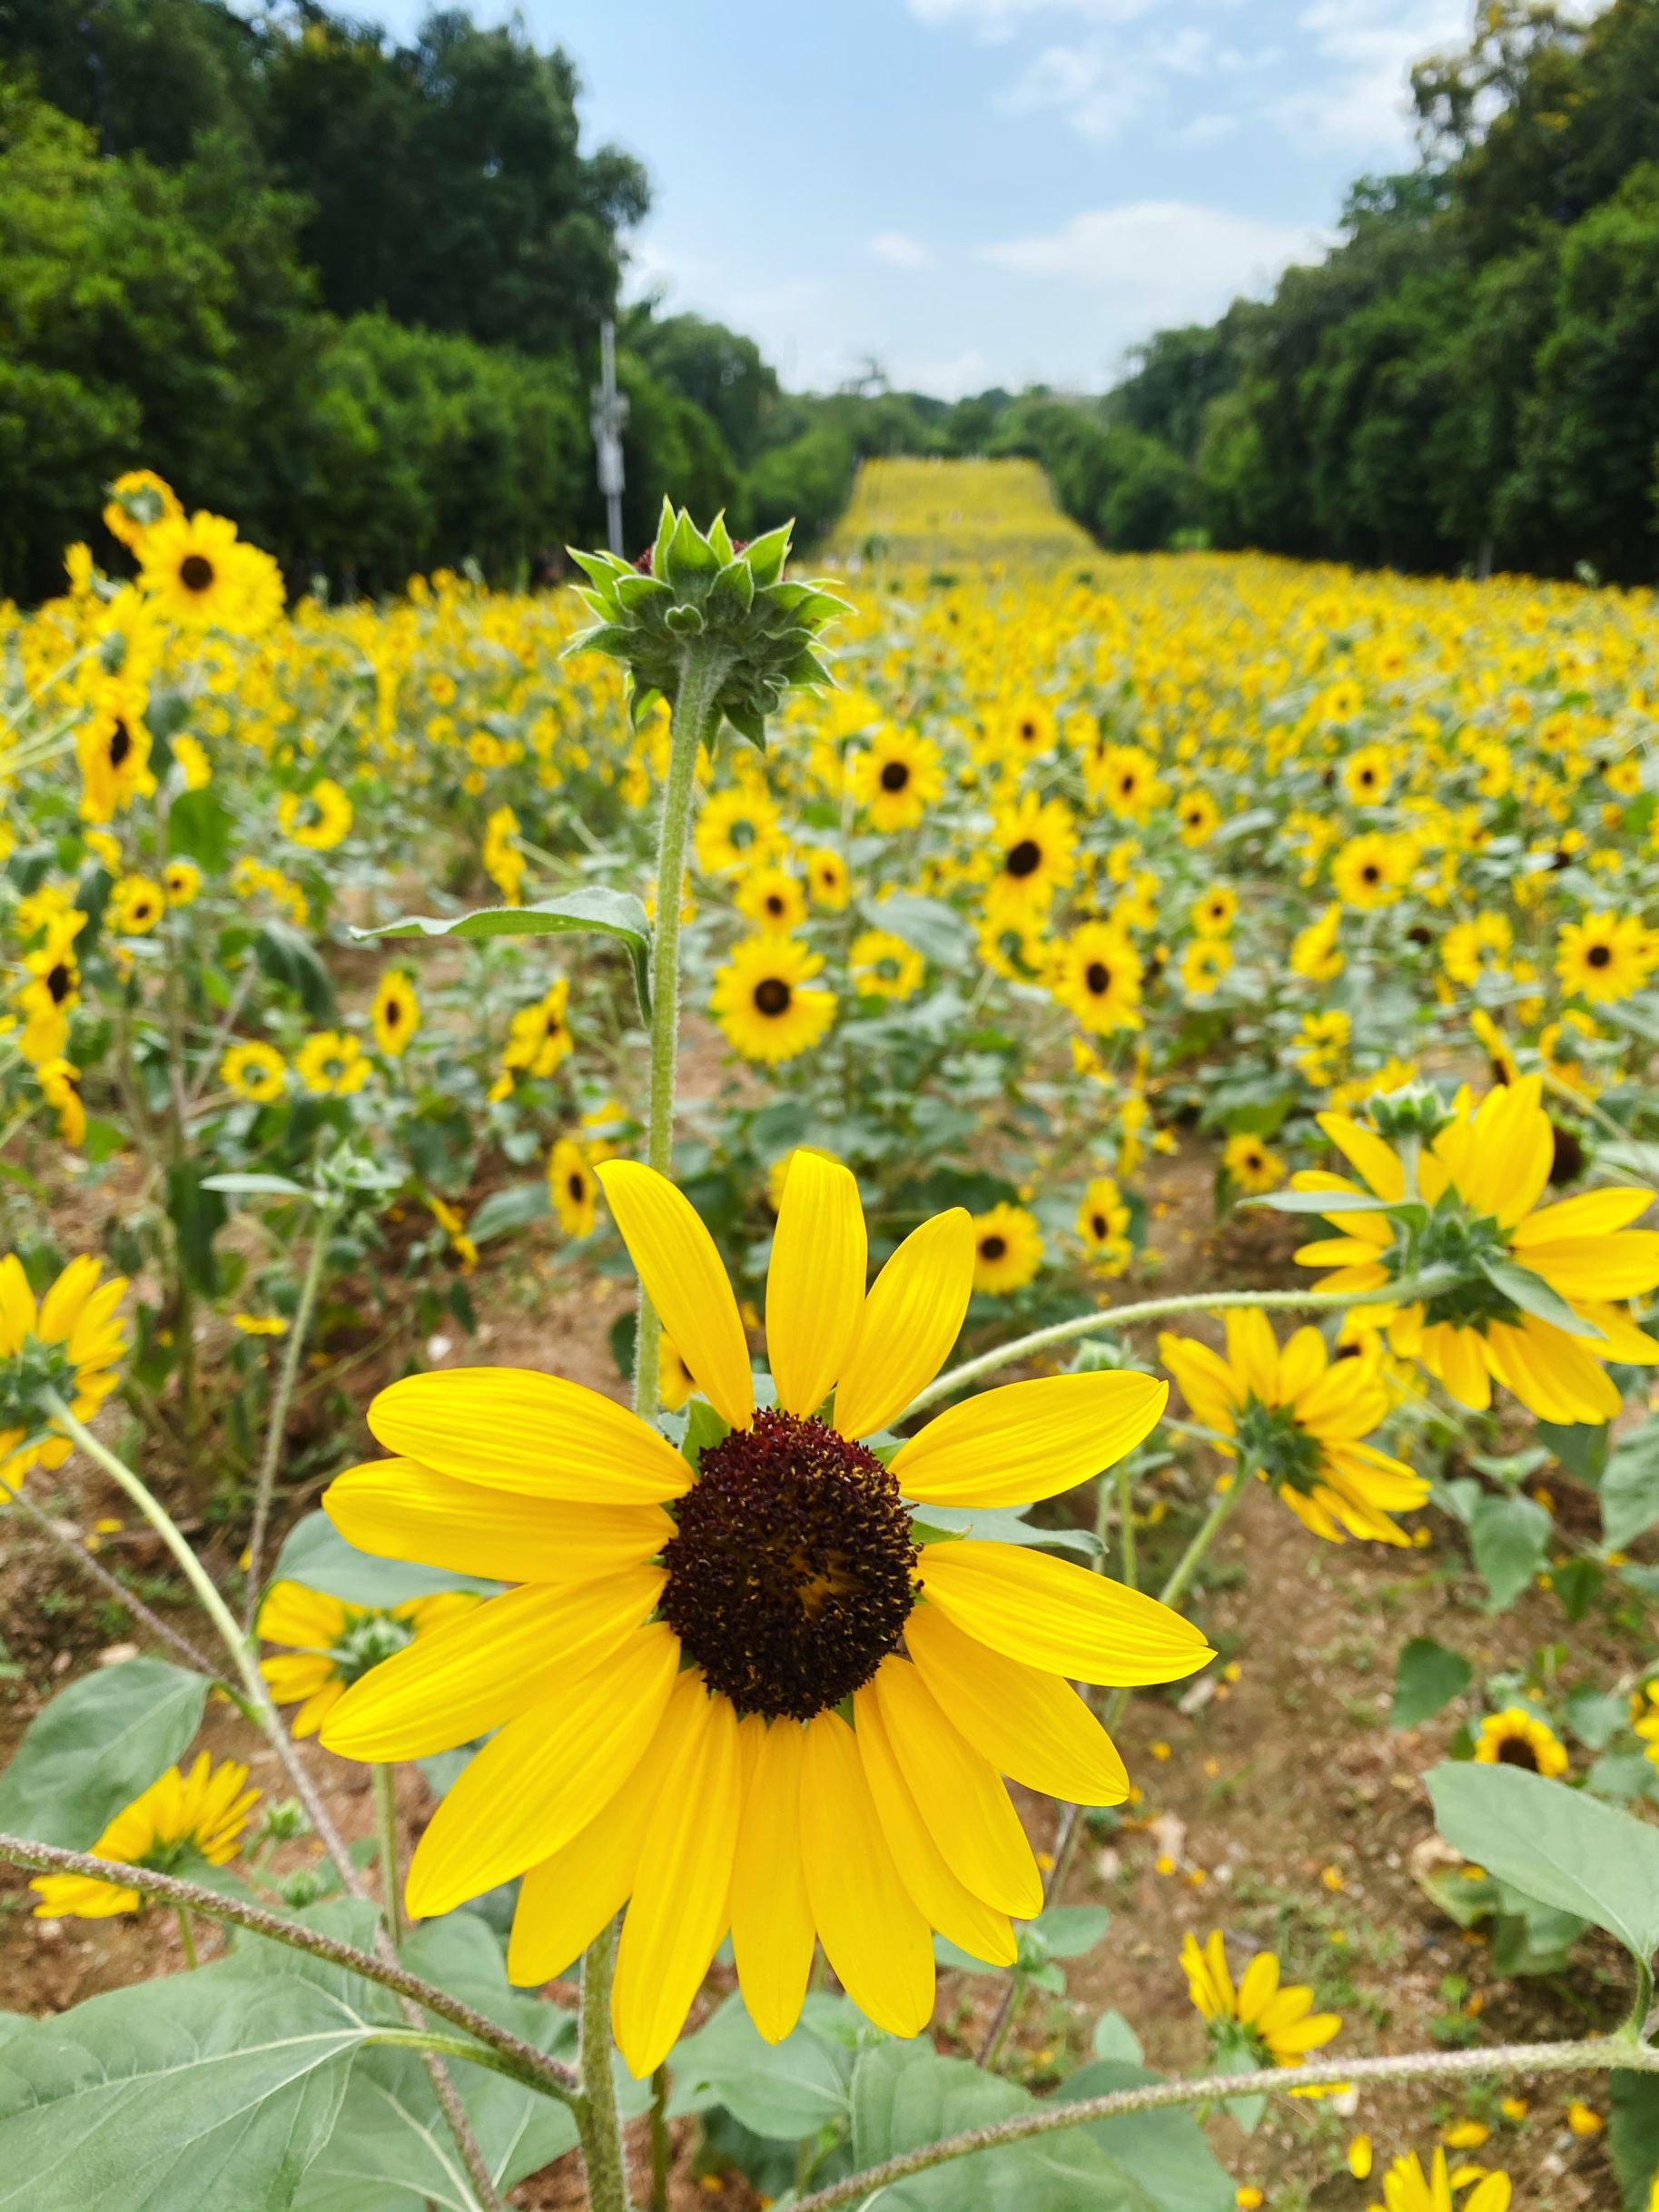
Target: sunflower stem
{"x": 187, "y": 1936}
{"x": 597, "y": 2118}
{"x": 662, "y": 2151}
{"x": 1229, "y": 1494}
{"x": 277, "y": 1427}
{"x": 386, "y": 1823}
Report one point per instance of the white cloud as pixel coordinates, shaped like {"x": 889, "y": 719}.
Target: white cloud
{"x": 1368, "y": 47}
{"x": 948, "y": 378}
{"x": 899, "y": 251}
{"x": 1161, "y": 261}
{"x": 996, "y": 19}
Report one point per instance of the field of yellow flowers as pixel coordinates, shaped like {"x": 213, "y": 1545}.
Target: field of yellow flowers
{"x": 1263, "y": 950}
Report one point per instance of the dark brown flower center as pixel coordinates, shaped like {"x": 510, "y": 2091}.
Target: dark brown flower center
{"x": 121, "y": 744}
{"x": 1098, "y": 976}
{"x": 895, "y": 775}
{"x": 792, "y": 1570}
{"x": 196, "y": 572}
{"x": 1599, "y": 955}
{"x": 59, "y": 983}
{"x": 1025, "y": 858}
{"x": 575, "y": 1183}
{"x": 1515, "y": 1751}
{"x": 772, "y": 996}
{"x": 1097, "y": 1222}
{"x": 993, "y": 1247}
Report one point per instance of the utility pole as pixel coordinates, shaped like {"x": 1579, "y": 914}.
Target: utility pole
{"x": 609, "y": 417}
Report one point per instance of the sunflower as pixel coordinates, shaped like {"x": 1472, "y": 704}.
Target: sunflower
{"x": 112, "y": 749}
{"x": 737, "y": 829}
{"x": 138, "y": 500}
{"x": 1199, "y": 815}
{"x": 333, "y": 1645}
{"x": 754, "y": 1694}
{"x": 60, "y": 1084}
{"x": 1471, "y": 949}
{"x": 571, "y": 1188}
{"x": 256, "y": 1071}
{"x": 319, "y": 818}
{"x": 137, "y": 904}
{"x": 1203, "y": 964}
{"x": 884, "y": 967}
{"x": 1096, "y": 974}
{"x": 1320, "y": 1048}
{"x": 178, "y": 1825}
{"x": 1606, "y": 956}
{"x": 1261, "y": 2022}
{"x": 1214, "y": 914}
{"x": 1102, "y": 1224}
{"x": 1007, "y": 1249}
{"x": 897, "y": 778}
{"x": 182, "y": 881}
{"x": 763, "y": 1002}
{"x": 396, "y": 1014}
{"x": 1372, "y": 870}
{"x": 1478, "y": 1180}
{"x": 193, "y": 568}
{"x": 1314, "y": 953}
{"x": 1299, "y": 1419}
{"x": 538, "y": 1039}
{"x": 1516, "y": 1737}
{"x": 1036, "y": 851}
{"x": 503, "y": 860}
{"x": 1406, "y": 2187}
{"x": 1251, "y": 1165}
{"x": 1024, "y": 729}
{"x": 1123, "y": 777}
{"x": 771, "y": 898}
{"x": 828, "y": 877}
{"x": 54, "y": 989}
{"x": 333, "y": 1065}
{"x": 1366, "y": 774}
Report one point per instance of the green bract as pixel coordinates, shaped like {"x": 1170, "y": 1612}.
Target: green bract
{"x": 726, "y": 608}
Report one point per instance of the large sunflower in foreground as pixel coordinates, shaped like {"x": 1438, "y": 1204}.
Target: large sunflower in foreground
{"x": 754, "y": 1694}
{"x": 1473, "y": 1205}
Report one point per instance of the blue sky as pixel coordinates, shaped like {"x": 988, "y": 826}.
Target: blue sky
{"x": 980, "y": 191}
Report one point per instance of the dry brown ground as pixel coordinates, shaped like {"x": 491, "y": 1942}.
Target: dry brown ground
{"x": 1289, "y": 1811}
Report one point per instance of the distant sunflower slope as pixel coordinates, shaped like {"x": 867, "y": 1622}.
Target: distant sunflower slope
{"x": 938, "y": 511}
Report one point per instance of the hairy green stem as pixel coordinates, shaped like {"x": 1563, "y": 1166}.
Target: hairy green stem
{"x": 598, "y": 2123}
{"x": 1597, "y": 2054}
{"x": 276, "y": 1429}
{"x": 662, "y": 2151}
{"x": 1229, "y": 1492}
{"x": 386, "y": 1827}
{"x": 532, "y": 2065}
{"x": 187, "y": 1936}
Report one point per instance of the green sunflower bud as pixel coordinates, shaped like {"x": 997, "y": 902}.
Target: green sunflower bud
{"x": 1416, "y": 1110}
{"x": 723, "y": 606}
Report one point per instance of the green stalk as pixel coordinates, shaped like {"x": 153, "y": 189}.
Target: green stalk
{"x": 187, "y": 1936}
{"x": 1223, "y": 1505}
{"x": 386, "y": 1825}
{"x": 598, "y": 2124}
{"x": 276, "y": 1429}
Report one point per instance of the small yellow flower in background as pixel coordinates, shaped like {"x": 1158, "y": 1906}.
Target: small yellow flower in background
{"x": 1261, "y": 2021}
{"x": 503, "y": 860}
{"x": 138, "y": 500}
{"x": 112, "y": 750}
{"x": 1583, "y": 2118}
{"x": 765, "y": 1001}
{"x": 396, "y": 1014}
{"x": 1160, "y": 1749}
{"x": 460, "y": 1244}
{"x": 1198, "y": 816}
{"x": 60, "y": 1083}
{"x": 1372, "y": 870}
{"x": 1359, "y": 2157}
{"x": 538, "y": 1039}
{"x": 1248, "y": 2197}
{"x": 1103, "y": 1225}
{"x": 1007, "y": 1249}
{"x": 1214, "y": 914}
{"x": 333, "y": 1065}
{"x": 1314, "y": 953}
{"x": 334, "y": 1643}
{"x": 1408, "y": 2189}
{"x": 1606, "y": 956}
{"x": 72, "y": 1342}
{"x": 319, "y": 818}
{"x": 200, "y": 576}
{"x": 1466, "y": 2135}
{"x": 1515, "y": 2109}
{"x": 179, "y": 1822}
{"x": 772, "y": 898}
{"x": 190, "y": 758}
{"x": 675, "y": 1380}
{"x": 829, "y": 876}
{"x": 259, "y": 1324}
{"x": 137, "y": 904}
{"x": 256, "y": 1071}
{"x": 1516, "y": 1737}
{"x": 1097, "y": 974}
{"x": 571, "y": 1188}
{"x": 1251, "y": 1165}
{"x": 182, "y": 881}
{"x": 884, "y": 967}
{"x": 1333, "y": 1877}
{"x": 1204, "y": 963}
{"x": 897, "y": 778}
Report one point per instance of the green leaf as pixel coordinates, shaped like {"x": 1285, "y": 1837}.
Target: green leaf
{"x": 1318, "y": 1201}
{"x": 1555, "y": 1843}
{"x": 1533, "y": 1295}
{"x": 516, "y": 1207}
{"x": 1426, "y": 1680}
{"x": 1630, "y": 1487}
{"x": 1067, "y": 1932}
{"x": 1581, "y": 1446}
{"x": 904, "y": 2095}
{"x": 1164, "y": 2152}
{"x": 1633, "y": 2137}
{"x": 200, "y": 825}
{"x": 289, "y": 957}
{"x": 780, "y": 2090}
{"x": 317, "y": 1555}
{"x": 612, "y": 913}
{"x": 197, "y": 1214}
{"x": 202, "y": 2091}
{"x": 1002, "y": 1524}
{"x": 97, "y": 1746}
{"x": 1508, "y": 1536}
{"x": 255, "y": 1186}
{"x": 927, "y": 925}
{"x": 703, "y": 1428}
{"x": 1114, "y": 2038}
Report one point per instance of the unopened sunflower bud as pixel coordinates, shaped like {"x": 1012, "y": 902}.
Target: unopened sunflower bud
{"x": 1416, "y": 1110}
{"x": 700, "y": 599}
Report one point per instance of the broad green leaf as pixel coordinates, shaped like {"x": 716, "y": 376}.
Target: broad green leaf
{"x": 1318, "y": 1201}
{"x": 1000, "y": 1524}
{"x": 1556, "y": 1844}
{"x": 197, "y": 1215}
{"x": 289, "y": 957}
{"x": 905, "y": 2095}
{"x": 1633, "y": 2137}
{"x": 1067, "y": 1932}
{"x": 613, "y": 913}
{"x": 1581, "y": 1446}
{"x": 1114, "y": 2038}
{"x": 317, "y": 1555}
{"x": 1630, "y": 1487}
{"x": 97, "y": 1746}
{"x": 203, "y": 2090}
{"x": 201, "y": 827}
{"x": 516, "y": 1207}
{"x": 1508, "y": 1536}
{"x": 780, "y": 2090}
{"x": 255, "y": 1186}
{"x": 1533, "y": 1295}
{"x": 1426, "y": 1680}
{"x": 927, "y": 925}
{"x": 1164, "y": 2152}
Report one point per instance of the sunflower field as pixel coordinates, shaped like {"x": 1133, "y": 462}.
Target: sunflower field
{"x": 831, "y": 1390}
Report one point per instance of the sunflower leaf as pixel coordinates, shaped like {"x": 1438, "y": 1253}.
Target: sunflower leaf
{"x": 1509, "y": 1538}
{"x": 610, "y": 913}
{"x": 97, "y": 1746}
{"x": 1630, "y": 1487}
{"x": 1533, "y": 1295}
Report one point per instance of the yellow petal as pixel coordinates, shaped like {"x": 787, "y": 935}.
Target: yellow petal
{"x": 1053, "y": 1614}
{"x": 686, "y": 1281}
{"x": 816, "y": 1281}
{"x": 677, "y": 1914}
{"x": 398, "y": 1509}
{"x": 1253, "y": 1352}
{"x": 1617, "y": 1266}
{"x": 910, "y": 1320}
{"x": 510, "y": 1429}
{"x": 1377, "y": 1161}
{"x": 1030, "y": 1439}
{"x": 772, "y": 1923}
{"x": 293, "y": 1612}
{"x": 958, "y": 1793}
{"x": 495, "y": 1662}
{"x": 873, "y": 1935}
{"x": 1300, "y": 1364}
{"x": 1030, "y": 1724}
{"x": 948, "y": 1904}
{"x": 1258, "y": 1985}
{"x": 61, "y": 1307}
{"x": 1593, "y": 1214}
{"x": 542, "y": 1778}
{"x": 17, "y": 1315}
